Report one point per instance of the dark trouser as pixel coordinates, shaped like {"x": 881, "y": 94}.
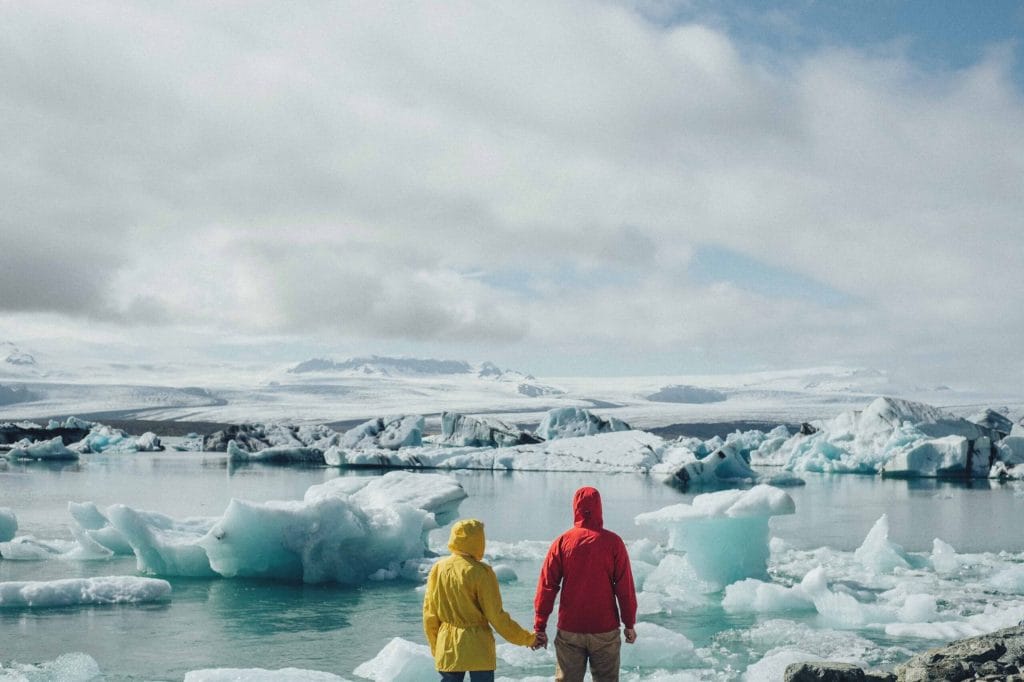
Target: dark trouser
{"x": 573, "y": 651}
{"x": 474, "y": 676}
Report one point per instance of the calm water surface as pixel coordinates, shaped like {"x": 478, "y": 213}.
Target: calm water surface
{"x": 246, "y": 623}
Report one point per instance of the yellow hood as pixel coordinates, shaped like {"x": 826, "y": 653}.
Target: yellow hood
{"x": 468, "y": 538}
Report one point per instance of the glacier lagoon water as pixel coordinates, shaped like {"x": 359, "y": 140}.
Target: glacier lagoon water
{"x": 212, "y": 623}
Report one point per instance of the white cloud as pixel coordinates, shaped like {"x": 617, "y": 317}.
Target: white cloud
{"x": 338, "y": 168}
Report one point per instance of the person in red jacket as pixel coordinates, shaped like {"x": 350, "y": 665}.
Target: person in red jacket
{"x": 591, "y": 567}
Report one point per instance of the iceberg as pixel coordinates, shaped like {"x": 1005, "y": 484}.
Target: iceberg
{"x": 903, "y": 437}
{"x": 572, "y": 422}
{"x": 8, "y": 524}
{"x": 723, "y": 534}
{"x": 877, "y": 553}
{"x": 727, "y": 465}
{"x": 345, "y": 530}
{"x": 84, "y": 592}
{"x": 276, "y": 454}
{"x": 461, "y": 430}
{"x": 256, "y": 437}
{"x": 391, "y": 433}
{"x": 103, "y": 438}
{"x": 47, "y": 450}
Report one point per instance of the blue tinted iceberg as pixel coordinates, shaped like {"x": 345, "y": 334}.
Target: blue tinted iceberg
{"x": 724, "y": 534}
{"x": 49, "y": 450}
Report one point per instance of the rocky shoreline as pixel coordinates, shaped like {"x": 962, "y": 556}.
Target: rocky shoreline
{"x": 994, "y": 656}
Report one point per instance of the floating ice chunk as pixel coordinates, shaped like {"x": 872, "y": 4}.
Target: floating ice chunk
{"x": 97, "y": 527}
{"x": 773, "y": 664}
{"x": 673, "y": 587}
{"x": 1011, "y": 450}
{"x": 877, "y": 553}
{"x": 343, "y": 531}
{"x": 83, "y": 591}
{"x": 919, "y": 608}
{"x": 390, "y": 433}
{"x": 572, "y": 422}
{"x": 461, "y": 430}
{"x": 505, "y": 573}
{"x": 944, "y": 558}
{"x": 727, "y": 465}
{"x": 756, "y": 596}
{"x": 52, "y": 449}
{"x": 276, "y": 454}
{"x": 73, "y": 667}
{"x": 724, "y": 534}
{"x": 839, "y": 609}
{"x": 8, "y": 524}
{"x": 656, "y": 646}
{"x": 87, "y": 549}
{"x": 102, "y": 438}
{"x": 163, "y": 545}
{"x": 27, "y": 548}
{"x": 260, "y": 675}
{"x": 951, "y": 456}
{"x": 1009, "y": 580}
{"x": 399, "y": 661}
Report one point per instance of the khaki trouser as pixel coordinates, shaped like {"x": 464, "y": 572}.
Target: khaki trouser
{"x": 573, "y": 650}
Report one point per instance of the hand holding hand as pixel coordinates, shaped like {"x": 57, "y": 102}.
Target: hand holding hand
{"x": 540, "y": 640}
{"x": 630, "y": 635}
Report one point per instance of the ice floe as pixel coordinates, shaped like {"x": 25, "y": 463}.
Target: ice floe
{"x": 83, "y": 592}
{"x": 71, "y": 667}
{"x": 573, "y": 422}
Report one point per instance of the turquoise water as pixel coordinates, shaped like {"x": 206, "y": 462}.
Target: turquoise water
{"x": 244, "y": 623}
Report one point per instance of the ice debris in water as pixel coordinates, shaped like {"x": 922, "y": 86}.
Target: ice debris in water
{"x": 72, "y": 667}
{"x": 83, "y": 591}
{"x": 879, "y": 554}
{"x": 723, "y": 534}
{"x": 260, "y": 675}
{"x": 399, "y": 661}
{"x": 103, "y": 438}
{"x": 344, "y": 530}
{"x": 8, "y": 524}
{"x": 52, "y": 449}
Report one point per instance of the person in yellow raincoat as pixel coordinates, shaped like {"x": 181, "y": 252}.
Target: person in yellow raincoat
{"x": 461, "y": 605}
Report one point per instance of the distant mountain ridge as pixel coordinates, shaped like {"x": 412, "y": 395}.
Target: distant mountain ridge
{"x": 379, "y": 365}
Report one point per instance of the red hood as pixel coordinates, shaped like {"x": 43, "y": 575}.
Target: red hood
{"x": 586, "y": 509}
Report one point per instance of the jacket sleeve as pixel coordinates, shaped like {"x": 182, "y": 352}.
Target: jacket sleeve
{"x": 547, "y": 587}
{"x": 625, "y": 591}
{"x": 489, "y": 597}
{"x": 431, "y": 621}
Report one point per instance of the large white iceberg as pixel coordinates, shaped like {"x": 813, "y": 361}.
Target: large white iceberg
{"x": 902, "y": 437}
{"x": 572, "y": 422}
{"x": 83, "y": 592}
{"x": 723, "y": 534}
{"x": 345, "y": 531}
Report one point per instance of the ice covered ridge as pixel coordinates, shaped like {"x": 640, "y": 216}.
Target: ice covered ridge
{"x": 347, "y": 530}
{"x": 902, "y": 438}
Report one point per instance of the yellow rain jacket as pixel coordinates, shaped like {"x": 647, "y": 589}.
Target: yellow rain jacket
{"x": 463, "y": 602}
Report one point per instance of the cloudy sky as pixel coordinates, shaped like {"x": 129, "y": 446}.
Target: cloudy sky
{"x": 565, "y": 187}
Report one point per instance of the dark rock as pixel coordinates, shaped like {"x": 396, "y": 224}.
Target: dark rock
{"x": 831, "y": 671}
{"x": 806, "y": 429}
{"x": 998, "y": 655}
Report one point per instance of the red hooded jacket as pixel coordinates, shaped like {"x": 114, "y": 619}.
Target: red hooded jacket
{"x": 591, "y": 567}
